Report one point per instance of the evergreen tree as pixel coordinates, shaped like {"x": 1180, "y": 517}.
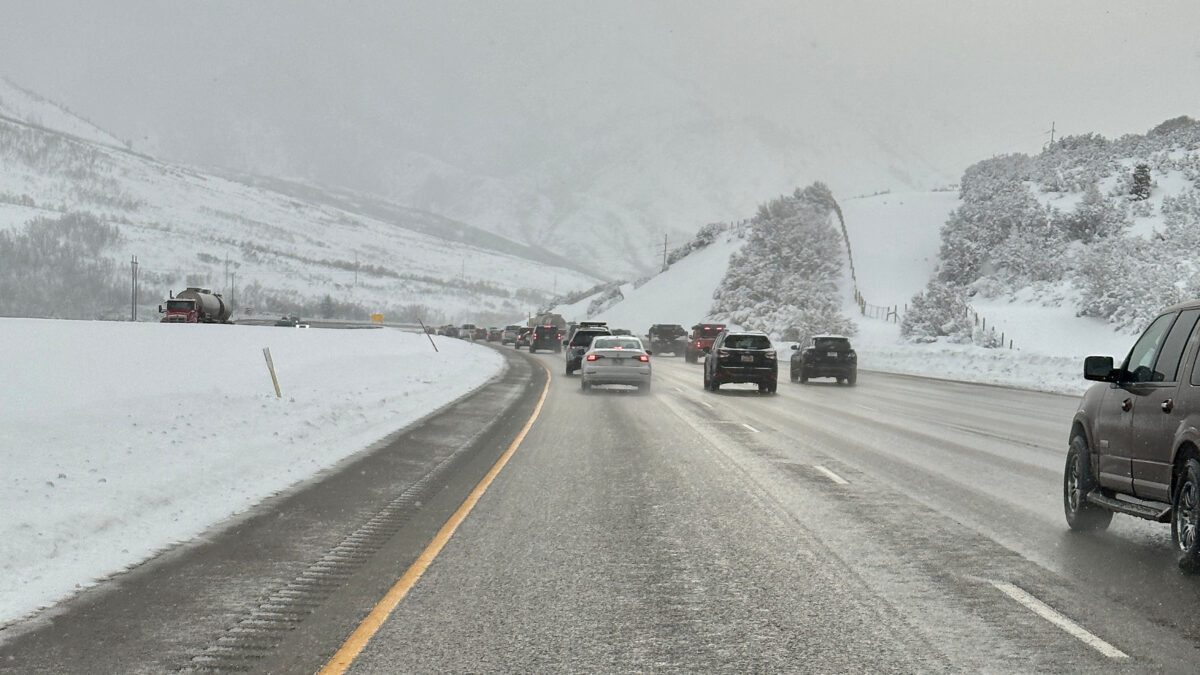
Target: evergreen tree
{"x": 787, "y": 273}
{"x": 1141, "y": 182}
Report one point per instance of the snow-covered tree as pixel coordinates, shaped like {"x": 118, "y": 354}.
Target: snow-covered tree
{"x": 1095, "y": 217}
{"x": 938, "y": 311}
{"x": 1141, "y": 182}
{"x": 786, "y": 274}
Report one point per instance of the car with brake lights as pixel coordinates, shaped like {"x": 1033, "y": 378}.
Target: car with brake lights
{"x": 667, "y": 338}
{"x": 742, "y": 357}
{"x": 523, "y": 337}
{"x": 1135, "y": 440}
{"x": 616, "y": 359}
{"x": 825, "y": 356}
{"x": 578, "y": 345}
{"x": 701, "y": 341}
{"x": 548, "y": 337}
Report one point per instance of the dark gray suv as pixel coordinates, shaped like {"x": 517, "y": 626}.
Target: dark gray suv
{"x": 1135, "y": 438}
{"x": 578, "y": 345}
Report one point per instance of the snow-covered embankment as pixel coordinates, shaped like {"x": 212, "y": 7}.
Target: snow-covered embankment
{"x": 119, "y": 439}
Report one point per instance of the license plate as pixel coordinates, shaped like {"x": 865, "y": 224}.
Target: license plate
{"x": 748, "y": 359}
{"x": 831, "y": 354}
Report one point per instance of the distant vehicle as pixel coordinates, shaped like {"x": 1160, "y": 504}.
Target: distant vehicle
{"x": 288, "y": 321}
{"x": 548, "y": 319}
{"x": 667, "y": 338}
{"x": 584, "y": 324}
{"x": 545, "y": 337}
{"x": 302, "y": 325}
{"x": 196, "y": 305}
{"x": 1134, "y": 439}
{"x": 493, "y": 334}
{"x": 467, "y": 331}
{"x": 448, "y": 331}
{"x": 578, "y": 345}
{"x": 509, "y": 334}
{"x": 616, "y": 360}
{"x": 480, "y": 333}
{"x": 620, "y": 331}
{"x": 701, "y": 341}
{"x": 742, "y": 357}
{"x": 522, "y": 338}
{"x": 825, "y": 356}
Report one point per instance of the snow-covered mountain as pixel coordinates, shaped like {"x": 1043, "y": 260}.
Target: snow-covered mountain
{"x": 20, "y": 104}
{"x": 283, "y": 246}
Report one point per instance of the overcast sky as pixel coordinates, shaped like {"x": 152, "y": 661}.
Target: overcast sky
{"x": 321, "y": 83}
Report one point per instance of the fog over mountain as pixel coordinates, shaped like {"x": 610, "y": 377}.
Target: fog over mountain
{"x": 593, "y": 128}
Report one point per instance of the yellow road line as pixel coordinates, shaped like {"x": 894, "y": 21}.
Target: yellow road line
{"x": 353, "y": 646}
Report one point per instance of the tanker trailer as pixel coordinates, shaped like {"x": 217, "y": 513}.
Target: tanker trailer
{"x": 196, "y": 305}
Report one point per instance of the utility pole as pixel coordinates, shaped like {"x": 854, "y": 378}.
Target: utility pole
{"x": 664, "y": 267}
{"x": 226, "y": 271}
{"x": 1051, "y": 132}
{"x": 232, "y": 290}
{"x": 133, "y": 288}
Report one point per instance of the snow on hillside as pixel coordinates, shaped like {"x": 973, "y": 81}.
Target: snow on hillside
{"x": 190, "y": 228}
{"x": 128, "y": 448}
{"x": 895, "y": 238}
{"x": 26, "y": 106}
{"x": 682, "y": 295}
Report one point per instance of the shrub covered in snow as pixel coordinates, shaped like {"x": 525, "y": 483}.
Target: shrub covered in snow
{"x": 786, "y": 275}
{"x": 610, "y": 296}
{"x": 938, "y": 311}
{"x": 59, "y": 268}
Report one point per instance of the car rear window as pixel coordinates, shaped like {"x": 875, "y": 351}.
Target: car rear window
{"x": 583, "y": 338}
{"x": 616, "y": 343}
{"x": 832, "y": 344}
{"x": 747, "y": 342}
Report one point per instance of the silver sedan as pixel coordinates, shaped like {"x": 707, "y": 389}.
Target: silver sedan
{"x": 616, "y": 360}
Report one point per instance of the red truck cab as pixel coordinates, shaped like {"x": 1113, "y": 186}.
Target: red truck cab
{"x": 180, "y": 311}
{"x": 701, "y": 340}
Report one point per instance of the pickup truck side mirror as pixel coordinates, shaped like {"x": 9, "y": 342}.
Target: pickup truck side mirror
{"x": 795, "y": 347}
{"x": 1099, "y": 369}
{"x": 649, "y": 353}
{"x": 160, "y": 309}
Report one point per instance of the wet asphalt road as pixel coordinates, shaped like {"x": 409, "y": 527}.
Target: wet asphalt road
{"x": 686, "y": 530}
{"x": 888, "y": 527}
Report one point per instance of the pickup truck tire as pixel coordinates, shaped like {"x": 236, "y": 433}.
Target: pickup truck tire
{"x": 1082, "y": 515}
{"x": 853, "y": 379}
{"x": 1185, "y": 514}
{"x": 803, "y": 377}
{"x": 690, "y": 357}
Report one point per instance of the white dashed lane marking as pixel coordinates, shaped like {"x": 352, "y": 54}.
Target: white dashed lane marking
{"x": 1053, "y": 616}
{"x": 831, "y": 475}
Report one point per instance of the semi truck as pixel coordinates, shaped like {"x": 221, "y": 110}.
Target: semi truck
{"x": 196, "y": 305}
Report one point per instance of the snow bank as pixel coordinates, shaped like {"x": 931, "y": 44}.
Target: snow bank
{"x": 119, "y": 439}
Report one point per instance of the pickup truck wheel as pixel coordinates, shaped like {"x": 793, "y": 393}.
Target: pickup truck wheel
{"x": 803, "y": 377}
{"x": 1185, "y": 516}
{"x": 1082, "y": 515}
{"x": 853, "y": 379}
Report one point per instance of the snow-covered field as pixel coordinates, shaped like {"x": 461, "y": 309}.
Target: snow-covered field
{"x": 119, "y": 439}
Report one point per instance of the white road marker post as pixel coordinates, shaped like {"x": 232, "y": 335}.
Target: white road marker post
{"x": 271, "y": 369}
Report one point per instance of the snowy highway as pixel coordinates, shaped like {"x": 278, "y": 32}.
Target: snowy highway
{"x": 901, "y": 525}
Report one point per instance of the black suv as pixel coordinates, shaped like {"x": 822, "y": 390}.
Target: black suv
{"x": 825, "y": 356}
{"x": 742, "y": 356}
{"x": 667, "y": 338}
{"x": 545, "y": 337}
{"x": 578, "y": 346}
{"x": 1135, "y": 446}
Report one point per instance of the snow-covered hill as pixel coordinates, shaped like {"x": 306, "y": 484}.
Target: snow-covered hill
{"x": 284, "y": 249}
{"x": 25, "y": 106}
